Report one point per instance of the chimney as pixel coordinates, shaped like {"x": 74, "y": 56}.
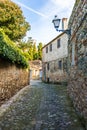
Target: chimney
{"x": 64, "y": 24}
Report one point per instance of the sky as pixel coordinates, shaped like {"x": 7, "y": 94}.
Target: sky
{"x": 40, "y": 13}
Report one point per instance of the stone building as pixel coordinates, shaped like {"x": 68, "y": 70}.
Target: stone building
{"x": 54, "y": 59}
{"x": 77, "y": 86}
{"x": 35, "y": 69}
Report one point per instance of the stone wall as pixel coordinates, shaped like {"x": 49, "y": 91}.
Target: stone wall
{"x": 55, "y": 74}
{"x": 77, "y": 87}
{"x": 12, "y": 79}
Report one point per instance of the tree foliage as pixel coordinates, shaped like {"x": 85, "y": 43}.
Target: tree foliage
{"x": 10, "y": 51}
{"x": 32, "y": 52}
{"x": 35, "y": 53}
{"x": 12, "y": 20}
{"x": 40, "y": 51}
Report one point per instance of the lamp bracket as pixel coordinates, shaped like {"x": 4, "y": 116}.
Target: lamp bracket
{"x": 68, "y": 31}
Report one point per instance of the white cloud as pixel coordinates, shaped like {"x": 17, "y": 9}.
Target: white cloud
{"x": 30, "y": 9}
{"x": 62, "y": 8}
{"x": 63, "y": 4}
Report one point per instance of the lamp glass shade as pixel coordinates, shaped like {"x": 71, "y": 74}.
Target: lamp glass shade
{"x": 56, "y": 22}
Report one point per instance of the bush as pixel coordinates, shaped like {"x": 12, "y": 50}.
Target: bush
{"x": 10, "y": 51}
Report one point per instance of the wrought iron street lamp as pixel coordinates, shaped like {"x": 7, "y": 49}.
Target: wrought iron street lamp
{"x": 56, "y": 22}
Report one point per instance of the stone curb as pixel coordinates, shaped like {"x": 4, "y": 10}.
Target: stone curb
{"x": 4, "y": 107}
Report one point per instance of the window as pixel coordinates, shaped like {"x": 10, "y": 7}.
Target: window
{"x": 47, "y": 66}
{"x": 60, "y": 64}
{"x": 58, "y": 43}
{"x": 47, "y": 49}
{"x": 50, "y": 47}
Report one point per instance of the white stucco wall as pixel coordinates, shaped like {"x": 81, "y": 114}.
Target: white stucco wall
{"x": 56, "y": 53}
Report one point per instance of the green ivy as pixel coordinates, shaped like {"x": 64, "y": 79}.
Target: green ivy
{"x": 10, "y": 51}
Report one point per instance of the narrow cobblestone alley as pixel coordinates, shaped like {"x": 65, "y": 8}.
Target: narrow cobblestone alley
{"x": 40, "y": 106}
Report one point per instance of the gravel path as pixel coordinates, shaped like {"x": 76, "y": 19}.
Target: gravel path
{"x": 39, "y": 106}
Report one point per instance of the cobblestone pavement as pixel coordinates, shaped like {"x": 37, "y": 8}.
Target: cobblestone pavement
{"x": 40, "y": 107}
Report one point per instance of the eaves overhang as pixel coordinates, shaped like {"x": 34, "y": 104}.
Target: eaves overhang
{"x": 53, "y": 40}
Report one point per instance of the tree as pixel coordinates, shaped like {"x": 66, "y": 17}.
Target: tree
{"x": 10, "y": 52}
{"x": 31, "y": 51}
{"x": 24, "y": 46}
{"x": 27, "y": 48}
{"x": 40, "y": 51}
{"x": 35, "y": 54}
{"x": 12, "y": 20}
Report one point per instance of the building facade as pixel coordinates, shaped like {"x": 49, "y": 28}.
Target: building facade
{"x": 35, "y": 69}
{"x": 54, "y": 59}
{"x": 77, "y": 82}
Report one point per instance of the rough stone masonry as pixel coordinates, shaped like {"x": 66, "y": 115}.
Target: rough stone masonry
{"x": 77, "y": 86}
{"x": 12, "y": 79}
